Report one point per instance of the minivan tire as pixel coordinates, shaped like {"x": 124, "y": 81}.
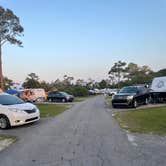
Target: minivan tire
{"x": 4, "y": 122}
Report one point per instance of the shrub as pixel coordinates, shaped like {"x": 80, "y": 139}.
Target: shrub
{"x": 80, "y": 91}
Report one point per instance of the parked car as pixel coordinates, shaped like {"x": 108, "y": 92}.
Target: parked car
{"x": 111, "y": 92}
{"x": 56, "y": 96}
{"x": 91, "y": 92}
{"x": 131, "y": 96}
{"x": 14, "y": 111}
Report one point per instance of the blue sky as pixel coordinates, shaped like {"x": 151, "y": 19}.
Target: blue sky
{"x": 83, "y": 38}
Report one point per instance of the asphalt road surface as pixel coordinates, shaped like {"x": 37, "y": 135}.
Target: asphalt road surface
{"x": 86, "y": 135}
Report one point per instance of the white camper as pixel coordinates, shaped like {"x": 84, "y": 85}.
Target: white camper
{"x": 158, "y": 89}
{"x": 159, "y": 84}
{"x": 33, "y": 95}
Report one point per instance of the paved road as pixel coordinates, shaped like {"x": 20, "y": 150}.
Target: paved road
{"x": 85, "y": 135}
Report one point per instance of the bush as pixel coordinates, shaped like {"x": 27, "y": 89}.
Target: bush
{"x": 80, "y": 91}
{"x": 76, "y": 91}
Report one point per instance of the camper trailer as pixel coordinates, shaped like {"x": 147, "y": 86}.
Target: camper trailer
{"x": 33, "y": 95}
{"x": 158, "y": 90}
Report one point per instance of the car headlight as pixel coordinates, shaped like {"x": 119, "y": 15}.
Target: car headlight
{"x": 129, "y": 97}
{"x": 16, "y": 110}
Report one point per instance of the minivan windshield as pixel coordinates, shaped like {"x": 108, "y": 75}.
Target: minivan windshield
{"x": 128, "y": 90}
{"x": 10, "y": 100}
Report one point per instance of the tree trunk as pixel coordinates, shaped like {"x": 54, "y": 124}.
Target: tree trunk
{"x": 118, "y": 80}
{"x": 1, "y": 75}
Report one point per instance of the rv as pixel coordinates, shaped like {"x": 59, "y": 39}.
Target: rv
{"x": 158, "y": 90}
{"x": 33, "y": 95}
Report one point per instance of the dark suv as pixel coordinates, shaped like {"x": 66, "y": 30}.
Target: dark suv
{"x": 56, "y": 96}
{"x": 131, "y": 96}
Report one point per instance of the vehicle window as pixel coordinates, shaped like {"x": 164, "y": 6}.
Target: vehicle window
{"x": 139, "y": 90}
{"x": 52, "y": 93}
{"x": 58, "y": 94}
{"x": 64, "y": 93}
{"x": 10, "y": 100}
{"x": 143, "y": 90}
{"x": 128, "y": 90}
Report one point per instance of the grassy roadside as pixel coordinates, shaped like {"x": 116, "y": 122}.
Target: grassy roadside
{"x": 108, "y": 100}
{"x": 3, "y": 137}
{"x": 50, "y": 110}
{"x": 148, "y": 120}
{"x": 79, "y": 99}
{"x": 6, "y": 140}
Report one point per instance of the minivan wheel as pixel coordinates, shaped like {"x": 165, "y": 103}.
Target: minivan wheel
{"x": 135, "y": 104}
{"x": 4, "y": 122}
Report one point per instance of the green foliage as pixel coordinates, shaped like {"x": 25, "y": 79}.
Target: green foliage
{"x": 10, "y": 27}
{"x": 46, "y": 86}
{"x": 79, "y": 91}
{"x": 76, "y": 90}
{"x": 103, "y": 84}
{"x": 32, "y": 81}
{"x": 160, "y": 73}
{"x": 116, "y": 72}
{"x": 7, "y": 83}
{"x": 133, "y": 74}
{"x": 10, "y": 30}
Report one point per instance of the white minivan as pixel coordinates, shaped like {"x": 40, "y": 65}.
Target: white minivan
{"x": 14, "y": 111}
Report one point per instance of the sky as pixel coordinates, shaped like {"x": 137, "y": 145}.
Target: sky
{"x": 84, "y": 38}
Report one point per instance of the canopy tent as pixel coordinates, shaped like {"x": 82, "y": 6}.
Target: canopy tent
{"x": 13, "y": 91}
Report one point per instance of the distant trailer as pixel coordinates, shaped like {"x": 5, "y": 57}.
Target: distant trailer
{"x": 33, "y": 95}
{"x": 158, "y": 90}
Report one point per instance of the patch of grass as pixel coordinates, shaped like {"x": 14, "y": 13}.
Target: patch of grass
{"x": 108, "y": 100}
{"x": 50, "y": 110}
{"x": 149, "y": 120}
{"x": 79, "y": 99}
{"x": 6, "y": 141}
{"x": 3, "y": 137}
